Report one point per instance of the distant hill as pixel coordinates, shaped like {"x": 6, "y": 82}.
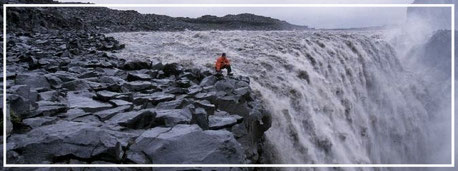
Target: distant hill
{"x": 110, "y": 20}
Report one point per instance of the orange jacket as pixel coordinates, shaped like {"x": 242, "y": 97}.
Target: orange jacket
{"x": 221, "y": 62}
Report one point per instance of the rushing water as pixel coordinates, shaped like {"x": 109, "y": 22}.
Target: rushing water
{"x": 335, "y": 97}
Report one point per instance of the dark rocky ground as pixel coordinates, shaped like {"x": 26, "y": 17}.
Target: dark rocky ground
{"x": 69, "y": 102}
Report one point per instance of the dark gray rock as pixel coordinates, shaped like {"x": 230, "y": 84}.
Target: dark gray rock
{"x": 208, "y": 81}
{"x": 219, "y": 122}
{"x": 136, "y": 64}
{"x": 172, "y": 69}
{"x": 47, "y": 108}
{"x": 135, "y": 119}
{"x": 39, "y": 121}
{"x": 74, "y": 113}
{"x": 210, "y": 96}
{"x": 62, "y": 76}
{"x": 105, "y": 95}
{"x": 138, "y": 85}
{"x": 82, "y": 101}
{"x": 88, "y": 119}
{"x": 22, "y": 100}
{"x": 52, "y": 96}
{"x": 200, "y": 117}
{"x": 55, "y": 81}
{"x": 32, "y": 79}
{"x": 185, "y": 144}
{"x": 172, "y": 117}
{"x": 107, "y": 114}
{"x": 89, "y": 74}
{"x": 209, "y": 108}
{"x": 176, "y": 90}
{"x": 83, "y": 141}
{"x": 138, "y": 77}
{"x": 76, "y": 85}
{"x": 174, "y": 104}
{"x": 232, "y": 105}
{"x": 225, "y": 85}
{"x": 153, "y": 98}
{"x": 120, "y": 102}
{"x": 193, "y": 90}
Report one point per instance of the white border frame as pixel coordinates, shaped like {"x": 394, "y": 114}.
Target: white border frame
{"x": 452, "y": 6}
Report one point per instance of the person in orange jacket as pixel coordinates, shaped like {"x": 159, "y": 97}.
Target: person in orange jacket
{"x": 223, "y": 63}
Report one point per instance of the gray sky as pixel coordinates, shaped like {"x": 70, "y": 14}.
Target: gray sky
{"x": 311, "y": 16}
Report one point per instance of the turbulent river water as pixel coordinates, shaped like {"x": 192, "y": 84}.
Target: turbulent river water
{"x": 335, "y": 96}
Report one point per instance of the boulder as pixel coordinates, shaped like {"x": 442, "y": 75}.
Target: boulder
{"x": 226, "y": 85}
{"x": 185, "y": 144}
{"x": 172, "y": 69}
{"x": 22, "y": 101}
{"x": 172, "y": 117}
{"x": 52, "y": 96}
{"x": 208, "y": 81}
{"x": 83, "y": 141}
{"x": 200, "y": 117}
{"x": 136, "y": 64}
{"x": 205, "y": 104}
{"x": 135, "y": 119}
{"x": 232, "y": 105}
{"x": 32, "y": 79}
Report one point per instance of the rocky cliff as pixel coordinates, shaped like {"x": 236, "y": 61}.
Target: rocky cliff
{"x": 70, "y": 102}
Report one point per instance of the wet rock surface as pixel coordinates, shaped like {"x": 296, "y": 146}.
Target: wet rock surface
{"x": 71, "y": 102}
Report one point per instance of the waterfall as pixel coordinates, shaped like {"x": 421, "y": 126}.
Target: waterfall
{"x": 335, "y": 96}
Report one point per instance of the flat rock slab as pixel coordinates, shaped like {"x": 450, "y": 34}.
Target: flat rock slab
{"x": 83, "y": 140}
{"x": 79, "y": 100}
{"x": 219, "y": 122}
{"x": 185, "y": 144}
{"x": 154, "y": 98}
{"x": 47, "y": 108}
{"x": 118, "y": 102}
{"x": 38, "y": 121}
{"x": 105, "y": 95}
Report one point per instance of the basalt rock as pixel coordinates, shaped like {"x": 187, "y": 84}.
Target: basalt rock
{"x": 75, "y": 103}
